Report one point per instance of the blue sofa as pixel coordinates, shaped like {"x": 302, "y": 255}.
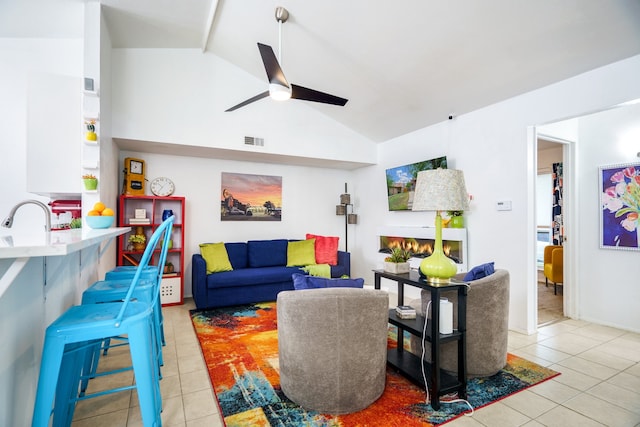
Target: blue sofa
{"x": 259, "y": 273}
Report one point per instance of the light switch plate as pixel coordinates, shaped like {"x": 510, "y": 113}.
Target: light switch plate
{"x": 503, "y": 205}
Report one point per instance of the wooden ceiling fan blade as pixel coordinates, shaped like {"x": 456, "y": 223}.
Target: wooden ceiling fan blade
{"x": 249, "y": 101}
{"x": 271, "y": 65}
{"x": 306, "y": 94}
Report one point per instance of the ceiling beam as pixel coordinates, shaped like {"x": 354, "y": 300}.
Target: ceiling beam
{"x": 209, "y": 27}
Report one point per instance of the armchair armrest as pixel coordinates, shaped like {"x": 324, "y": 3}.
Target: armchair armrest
{"x": 199, "y": 279}
{"x": 557, "y": 264}
{"x": 548, "y": 251}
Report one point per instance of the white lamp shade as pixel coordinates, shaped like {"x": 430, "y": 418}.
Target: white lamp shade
{"x": 440, "y": 190}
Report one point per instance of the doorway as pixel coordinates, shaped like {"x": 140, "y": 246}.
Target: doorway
{"x": 550, "y": 160}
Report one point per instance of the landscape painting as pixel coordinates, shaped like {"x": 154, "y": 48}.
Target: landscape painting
{"x": 246, "y": 197}
{"x": 401, "y": 182}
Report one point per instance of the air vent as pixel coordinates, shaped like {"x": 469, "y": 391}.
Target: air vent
{"x": 250, "y": 140}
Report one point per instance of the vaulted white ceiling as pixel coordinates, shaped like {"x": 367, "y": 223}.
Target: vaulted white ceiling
{"x": 403, "y": 65}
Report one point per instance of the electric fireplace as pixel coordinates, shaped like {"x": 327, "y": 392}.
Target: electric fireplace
{"x": 419, "y": 242}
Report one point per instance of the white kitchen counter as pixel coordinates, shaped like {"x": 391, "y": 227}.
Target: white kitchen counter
{"x": 21, "y": 243}
{"x": 41, "y": 274}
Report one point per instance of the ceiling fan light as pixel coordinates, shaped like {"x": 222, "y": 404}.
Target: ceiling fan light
{"x": 278, "y": 92}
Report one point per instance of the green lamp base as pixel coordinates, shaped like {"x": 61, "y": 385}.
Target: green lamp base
{"x": 438, "y": 268}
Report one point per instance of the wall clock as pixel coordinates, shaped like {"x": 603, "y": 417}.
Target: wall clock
{"x": 162, "y": 186}
{"x": 134, "y": 171}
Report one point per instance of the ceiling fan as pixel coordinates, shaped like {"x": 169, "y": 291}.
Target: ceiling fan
{"x": 279, "y": 88}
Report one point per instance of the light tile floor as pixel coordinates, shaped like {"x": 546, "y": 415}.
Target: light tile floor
{"x": 599, "y": 385}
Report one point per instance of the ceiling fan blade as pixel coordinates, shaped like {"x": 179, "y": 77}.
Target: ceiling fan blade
{"x": 248, "y": 101}
{"x": 306, "y": 94}
{"x": 271, "y": 65}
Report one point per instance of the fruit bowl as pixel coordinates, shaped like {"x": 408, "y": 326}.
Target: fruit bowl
{"x": 99, "y": 221}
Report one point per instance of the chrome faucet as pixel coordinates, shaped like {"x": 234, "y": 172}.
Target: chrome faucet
{"x": 8, "y": 221}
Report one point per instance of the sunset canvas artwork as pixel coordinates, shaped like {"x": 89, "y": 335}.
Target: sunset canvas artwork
{"x": 246, "y": 197}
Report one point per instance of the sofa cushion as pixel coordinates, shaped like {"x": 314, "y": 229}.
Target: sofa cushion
{"x": 326, "y": 249}
{"x": 215, "y": 255}
{"x": 300, "y": 281}
{"x": 480, "y": 271}
{"x": 301, "y": 253}
{"x": 237, "y": 254}
{"x": 267, "y": 253}
{"x": 251, "y": 276}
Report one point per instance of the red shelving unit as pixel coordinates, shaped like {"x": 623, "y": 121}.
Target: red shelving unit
{"x": 172, "y": 286}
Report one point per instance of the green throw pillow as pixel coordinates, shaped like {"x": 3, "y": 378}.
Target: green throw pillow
{"x": 216, "y": 257}
{"x": 300, "y": 253}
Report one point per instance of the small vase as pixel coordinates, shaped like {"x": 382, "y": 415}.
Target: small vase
{"x": 91, "y": 136}
{"x": 138, "y": 246}
{"x": 457, "y": 222}
{"x": 166, "y": 214}
{"x": 90, "y": 183}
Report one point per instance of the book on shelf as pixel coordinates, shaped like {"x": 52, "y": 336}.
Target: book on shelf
{"x": 139, "y": 221}
{"x": 405, "y": 312}
{"x": 406, "y": 315}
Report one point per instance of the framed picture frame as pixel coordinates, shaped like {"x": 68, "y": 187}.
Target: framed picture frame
{"x": 247, "y": 197}
{"x": 620, "y": 206}
{"x": 401, "y": 182}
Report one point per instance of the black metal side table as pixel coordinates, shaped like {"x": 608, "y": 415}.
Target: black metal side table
{"x": 407, "y": 363}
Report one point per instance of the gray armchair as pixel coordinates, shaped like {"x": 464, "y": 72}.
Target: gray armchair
{"x": 487, "y": 326}
{"x": 332, "y": 346}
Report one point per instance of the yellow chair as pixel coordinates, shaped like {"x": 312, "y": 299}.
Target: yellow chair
{"x": 553, "y": 266}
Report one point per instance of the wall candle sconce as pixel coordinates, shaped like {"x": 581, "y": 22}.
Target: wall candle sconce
{"x": 349, "y": 218}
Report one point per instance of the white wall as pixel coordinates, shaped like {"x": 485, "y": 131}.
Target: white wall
{"x": 180, "y": 96}
{"x": 491, "y": 145}
{"x": 608, "y": 278}
{"x": 309, "y": 199}
{"x": 20, "y": 58}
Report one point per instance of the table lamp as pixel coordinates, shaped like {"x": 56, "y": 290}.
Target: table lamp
{"x": 439, "y": 190}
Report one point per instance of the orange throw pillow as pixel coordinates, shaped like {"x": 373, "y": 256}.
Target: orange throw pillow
{"x": 326, "y": 249}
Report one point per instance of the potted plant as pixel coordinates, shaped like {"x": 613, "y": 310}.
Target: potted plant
{"x": 168, "y": 267}
{"x": 457, "y": 219}
{"x": 397, "y": 261}
{"x": 90, "y": 181}
{"x": 91, "y": 134}
{"x": 137, "y": 241}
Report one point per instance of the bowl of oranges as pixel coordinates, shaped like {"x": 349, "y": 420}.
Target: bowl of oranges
{"x": 100, "y": 216}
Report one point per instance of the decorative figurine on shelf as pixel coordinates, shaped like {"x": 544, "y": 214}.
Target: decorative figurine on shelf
{"x": 90, "y": 181}
{"x": 91, "y": 134}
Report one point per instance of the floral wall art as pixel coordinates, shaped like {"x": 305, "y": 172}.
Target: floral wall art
{"x": 620, "y": 206}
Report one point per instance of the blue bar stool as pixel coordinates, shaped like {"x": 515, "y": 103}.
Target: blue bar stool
{"x": 114, "y": 288}
{"x": 74, "y": 335}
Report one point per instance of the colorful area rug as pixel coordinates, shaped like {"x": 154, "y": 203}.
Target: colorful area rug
{"x": 240, "y": 346}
